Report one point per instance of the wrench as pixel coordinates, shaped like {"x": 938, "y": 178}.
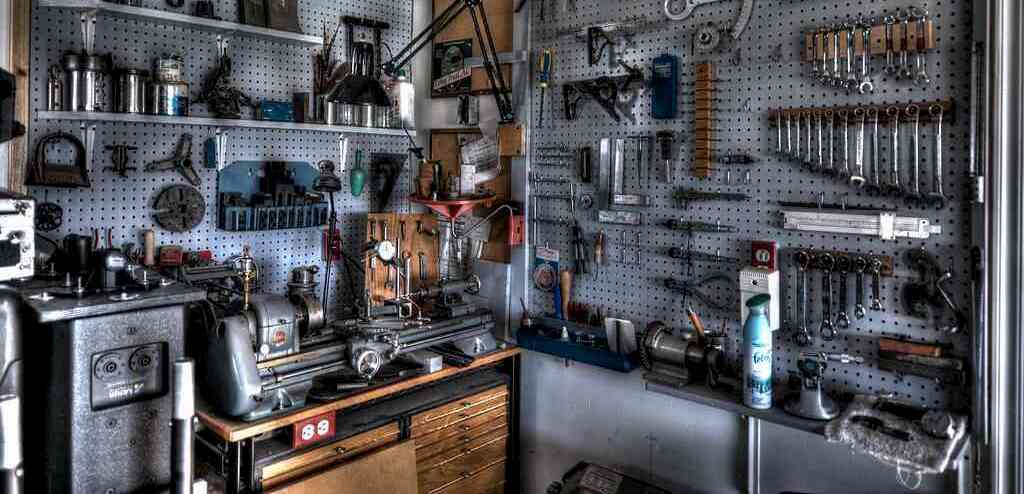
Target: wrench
{"x": 844, "y": 117}
{"x": 859, "y": 266}
{"x": 827, "y": 329}
{"x": 890, "y": 46}
{"x": 821, "y": 160}
{"x": 857, "y": 179}
{"x": 778, "y": 127}
{"x": 921, "y": 57}
{"x": 789, "y": 134}
{"x": 803, "y": 262}
{"x": 876, "y": 283}
{"x": 851, "y": 75}
{"x": 875, "y": 187}
{"x": 815, "y": 69}
{"x": 913, "y": 194}
{"x": 866, "y": 84}
{"x": 936, "y": 196}
{"x": 799, "y": 135}
{"x": 905, "y": 72}
{"x": 894, "y": 172}
{"x": 843, "y": 266}
{"x": 837, "y": 78}
{"x": 831, "y": 117}
{"x": 825, "y": 74}
{"x": 808, "y": 160}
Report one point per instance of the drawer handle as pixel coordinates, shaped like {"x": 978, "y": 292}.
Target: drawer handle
{"x": 465, "y": 439}
{"x": 465, "y": 475}
{"x": 340, "y": 450}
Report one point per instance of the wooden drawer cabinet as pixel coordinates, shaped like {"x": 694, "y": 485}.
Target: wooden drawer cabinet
{"x": 336, "y": 452}
{"x": 461, "y": 409}
{"x": 452, "y": 437}
{"x": 457, "y": 449}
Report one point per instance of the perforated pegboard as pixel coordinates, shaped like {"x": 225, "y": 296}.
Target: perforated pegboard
{"x": 263, "y": 69}
{"x": 752, "y": 80}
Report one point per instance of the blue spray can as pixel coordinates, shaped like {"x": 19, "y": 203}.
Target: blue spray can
{"x": 757, "y": 354}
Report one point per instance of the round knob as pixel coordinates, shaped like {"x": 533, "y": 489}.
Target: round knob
{"x": 16, "y": 237}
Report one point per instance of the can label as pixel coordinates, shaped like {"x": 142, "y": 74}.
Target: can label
{"x": 759, "y": 377}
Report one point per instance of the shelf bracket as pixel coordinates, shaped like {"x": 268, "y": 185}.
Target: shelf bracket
{"x": 89, "y": 140}
{"x": 222, "y": 45}
{"x": 342, "y": 152}
{"x": 88, "y": 26}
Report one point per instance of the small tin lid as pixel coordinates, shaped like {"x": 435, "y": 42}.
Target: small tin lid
{"x": 144, "y": 74}
{"x": 81, "y": 61}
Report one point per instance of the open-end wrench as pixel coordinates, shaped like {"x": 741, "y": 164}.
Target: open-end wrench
{"x": 912, "y": 195}
{"x": 859, "y": 266}
{"x": 890, "y": 46}
{"x": 798, "y": 155}
{"x": 824, "y": 75}
{"x": 857, "y": 178}
{"x": 852, "y": 82}
{"x": 843, "y": 267}
{"x": 803, "y": 262}
{"x": 837, "y": 77}
{"x": 894, "y": 186}
{"x": 875, "y": 186}
{"x": 866, "y": 84}
{"x": 815, "y": 68}
{"x": 789, "y": 134}
{"x": 827, "y": 329}
{"x": 808, "y": 160}
{"x": 821, "y": 157}
{"x": 905, "y": 70}
{"x": 830, "y": 120}
{"x": 844, "y": 119}
{"x": 936, "y": 196}
{"x": 778, "y": 128}
{"x": 920, "y": 55}
{"x": 875, "y": 265}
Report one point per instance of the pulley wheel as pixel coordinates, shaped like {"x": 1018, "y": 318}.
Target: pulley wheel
{"x": 179, "y": 208}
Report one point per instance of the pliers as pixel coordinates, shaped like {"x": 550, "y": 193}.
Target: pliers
{"x": 693, "y": 288}
{"x": 180, "y": 162}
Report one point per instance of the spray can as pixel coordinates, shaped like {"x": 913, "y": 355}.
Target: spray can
{"x": 757, "y": 354}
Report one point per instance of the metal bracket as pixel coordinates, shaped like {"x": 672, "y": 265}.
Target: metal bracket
{"x": 342, "y": 152}
{"x": 88, "y": 26}
{"x": 89, "y": 140}
{"x": 222, "y": 45}
{"x": 221, "y": 139}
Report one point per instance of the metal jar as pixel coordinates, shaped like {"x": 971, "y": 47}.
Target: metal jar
{"x": 169, "y": 69}
{"x": 365, "y": 115}
{"x": 85, "y": 82}
{"x": 169, "y": 99}
{"x": 130, "y": 88}
{"x": 331, "y": 110}
{"x": 382, "y": 117}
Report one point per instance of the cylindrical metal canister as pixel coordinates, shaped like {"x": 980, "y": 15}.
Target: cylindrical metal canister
{"x": 130, "y": 89}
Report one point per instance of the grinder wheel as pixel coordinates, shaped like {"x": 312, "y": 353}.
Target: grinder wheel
{"x": 179, "y": 208}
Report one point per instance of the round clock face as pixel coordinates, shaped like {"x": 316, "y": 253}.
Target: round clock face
{"x": 386, "y": 250}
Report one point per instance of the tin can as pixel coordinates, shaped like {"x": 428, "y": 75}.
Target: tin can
{"x": 364, "y": 115}
{"x": 169, "y": 98}
{"x": 169, "y": 69}
{"x": 130, "y": 90}
{"x": 85, "y": 82}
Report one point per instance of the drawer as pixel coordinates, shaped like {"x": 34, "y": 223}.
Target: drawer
{"x": 478, "y": 482}
{"x": 335, "y": 452}
{"x": 441, "y": 452}
{"x": 464, "y": 465}
{"x": 465, "y": 407}
{"x": 458, "y": 419}
{"x": 491, "y": 419}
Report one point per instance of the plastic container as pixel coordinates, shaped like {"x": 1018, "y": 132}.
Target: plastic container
{"x": 757, "y": 355}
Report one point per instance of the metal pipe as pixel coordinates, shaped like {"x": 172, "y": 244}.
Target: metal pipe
{"x": 182, "y": 433}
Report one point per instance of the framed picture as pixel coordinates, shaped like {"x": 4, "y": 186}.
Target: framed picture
{"x": 283, "y": 15}
{"x": 450, "y": 77}
{"x": 252, "y": 12}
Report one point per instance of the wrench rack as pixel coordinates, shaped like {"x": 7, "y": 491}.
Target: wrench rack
{"x": 747, "y": 88}
{"x": 948, "y": 110}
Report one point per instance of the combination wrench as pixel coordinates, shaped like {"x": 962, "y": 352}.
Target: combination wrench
{"x": 803, "y": 262}
{"x": 789, "y": 134}
{"x": 852, "y": 82}
{"x": 875, "y": 186}
{"x": 827, "y": 329}
{"x": 921, "y": 56}
{"x": 859, "y": 266}
{"x": 798, "y": 155}
{"x": 894, "y": 186}
{"x": 778, "y": 128}
{"x": 843, "y": 267}
{"x": 905, "y": 71}
{"x": 866, "y": 84}
{"x": 913, "y": 193}
{"x": 830, "y": 119}
{"x": 821, "y": 159}
{"x": 825, "y": 76}
{"x": 876, "y": 283}
{"x": 815, "y": 69}
{"x": 890, "y": 46}
{"x": 857, "y": 179}
{"x": 808, "y": 160}
{"x": 937, "y": 197}
{"x": 837, "y": 78}
{"x": 844, "y": 118}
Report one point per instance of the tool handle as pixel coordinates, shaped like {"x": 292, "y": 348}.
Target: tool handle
{"x": 544, "y": 66}
{"x": 566, "y": 286}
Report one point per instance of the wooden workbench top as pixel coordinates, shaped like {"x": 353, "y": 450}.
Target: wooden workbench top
{"x": 232, "y": 430}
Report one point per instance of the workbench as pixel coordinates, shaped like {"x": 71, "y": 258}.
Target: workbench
{"x": 244, "y": 453}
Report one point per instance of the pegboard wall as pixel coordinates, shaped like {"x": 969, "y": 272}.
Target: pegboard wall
{"x": 263, "y": 69}
{"x": 758, "y": 73}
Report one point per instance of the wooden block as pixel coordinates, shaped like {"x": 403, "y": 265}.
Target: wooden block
{"x": 907, "y": 347}
{"x": 808, "y": 52}
{"x": 510, "y": 141}
{"x": 390, "y": 470}
{"x": 878, "y": 40}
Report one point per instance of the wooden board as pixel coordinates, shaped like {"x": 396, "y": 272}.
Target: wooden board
{"x": 232, "y": 430}
{"x": 388, "y": 471}
{"x": 21, "y": 20}
{"x": 425, "y": 240}
{"x": 329, "y": 454}
{"x": 499, "y": 15}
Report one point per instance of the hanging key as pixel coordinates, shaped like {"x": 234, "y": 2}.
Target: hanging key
{"x": 844, "y": 119}
{"x": 843, "y": 266}
{"x": 937, "y": 197}
{"x": 857, "y": 179}
{"x": 912, "y": 195}
{"x": 826, "y": 263}
{"x": 921, "y": 56}
{"x": 859, "y": 266}
{"x": 866, "y": 84}
{"x": 875, "y": 186}
{"x": 894, "y": 186}
{"x": 876, "y": 283}
{"x": 803, "y": 262}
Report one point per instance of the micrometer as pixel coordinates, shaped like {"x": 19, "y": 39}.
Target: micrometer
{"x": 746, "y": 9}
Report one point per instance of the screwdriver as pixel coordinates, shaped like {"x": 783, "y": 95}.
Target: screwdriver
{"x": 544, "y": 78}
{"x": 666, "y": 139}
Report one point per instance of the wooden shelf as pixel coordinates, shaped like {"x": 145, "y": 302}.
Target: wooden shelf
{"x": 183, "y": 20}
{"x": 213, "y": 122}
